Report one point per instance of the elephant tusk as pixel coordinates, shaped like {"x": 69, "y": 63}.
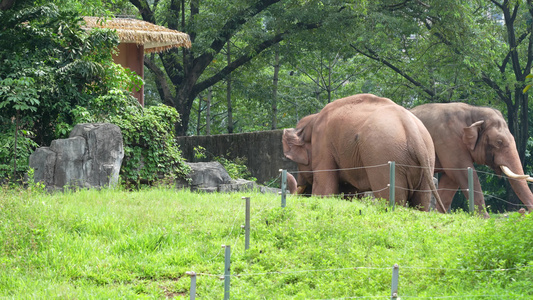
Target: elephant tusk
{"x": 530, "y": 179}
{"x": 301, "y": 189}
{"x": 510, "y": 173}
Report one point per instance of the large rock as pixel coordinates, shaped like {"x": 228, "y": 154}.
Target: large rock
{"x": 207, "y": 175}
{"x": 213, "y": 177}
{"x": 91, "y": 157}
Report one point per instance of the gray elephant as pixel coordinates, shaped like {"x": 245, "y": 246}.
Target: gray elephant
{"x": 350, "y": 142}
{"x": 464, "y": 135}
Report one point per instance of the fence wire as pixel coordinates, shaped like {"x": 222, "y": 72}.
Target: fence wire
{"x": 359, "y": 194}
{"x": 288, "y": 272}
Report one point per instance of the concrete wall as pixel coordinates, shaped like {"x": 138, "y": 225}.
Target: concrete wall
{"x": 263, "y": 151}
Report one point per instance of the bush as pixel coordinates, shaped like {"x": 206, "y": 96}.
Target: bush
{"x": 150, "y": 149}
{"x": 25, "y": 146}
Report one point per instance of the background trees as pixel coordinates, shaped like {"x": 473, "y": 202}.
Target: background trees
{"x": 259, "y": 65}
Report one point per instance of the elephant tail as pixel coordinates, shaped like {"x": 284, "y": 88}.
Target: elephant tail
{"x": 428, "y": 176}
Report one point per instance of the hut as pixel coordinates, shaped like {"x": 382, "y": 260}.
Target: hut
{"x": 136, "y": 38}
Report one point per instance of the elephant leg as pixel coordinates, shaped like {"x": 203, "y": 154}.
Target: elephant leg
{"x": 325, "y": 183}
{"x": 379, "y": 182}
{"x": 447, "y": 189}
{"x": 479, "y": 199}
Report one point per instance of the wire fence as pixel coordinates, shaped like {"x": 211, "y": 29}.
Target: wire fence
{"x": 227, "y": 276}
{"x": 348, "y": 193}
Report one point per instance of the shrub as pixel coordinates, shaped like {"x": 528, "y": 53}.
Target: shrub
{"x": 25, "y": 146}
{"x": 150, "y": 150}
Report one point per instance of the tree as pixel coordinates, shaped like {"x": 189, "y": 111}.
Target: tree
{"x": 211, "y": 25}
{"x": 58, "y": 62}
{"x": 50, "y": 66}
{"x": 457, "y": 51}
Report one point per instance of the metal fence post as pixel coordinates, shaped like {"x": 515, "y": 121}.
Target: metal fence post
{"x": 471, "y": 190}
{"x": 392, "y": 184}
{"x": 247, "y": 224}
{"x": 227, "y": 266}
{"x": 193, "y": 284}
{"x": 395, "y": 279}
{"x": 283, "y": 187}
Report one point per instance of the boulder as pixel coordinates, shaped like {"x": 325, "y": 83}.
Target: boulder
{"x": 213, "y": 177}
{"x": 206, "y": 175}
{"x": 43, "y": 161}
{"x": 91, "y": 158}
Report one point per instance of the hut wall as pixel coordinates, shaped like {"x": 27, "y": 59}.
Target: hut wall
{"x": 131, "y": 56}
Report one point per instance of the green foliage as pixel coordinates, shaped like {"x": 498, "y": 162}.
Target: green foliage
{"x": 18, "y": 94}
{"x": 25, "y": 147}
{"x": 117, "y": 244}
{"x": 236, "y": 168}
{"x": 32, "y": 186}
{"x": 199, "y": 152}
{"x": 50, "y": 64}
{"x": 150, "y": 150}
{"x": 494, "y": 248}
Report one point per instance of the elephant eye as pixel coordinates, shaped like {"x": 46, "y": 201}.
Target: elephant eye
{"x": 498, "y": 144}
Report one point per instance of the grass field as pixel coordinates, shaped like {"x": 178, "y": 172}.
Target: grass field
{"x": 113, "y": 244}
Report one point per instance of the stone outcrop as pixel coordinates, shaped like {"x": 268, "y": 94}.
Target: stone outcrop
{"x": 213, "y": 177}
{"x": 90, "y": 158}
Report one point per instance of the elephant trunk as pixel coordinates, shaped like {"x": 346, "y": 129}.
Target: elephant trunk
{"x": 292, "y": 185}
{"x": 519, "y": 184}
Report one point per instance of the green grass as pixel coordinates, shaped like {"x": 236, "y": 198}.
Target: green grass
{"x": 113, "y": 244}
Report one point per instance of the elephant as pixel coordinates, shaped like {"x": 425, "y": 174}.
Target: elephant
{"x": 463, "y": 135}
{"x": 350, "y": 142}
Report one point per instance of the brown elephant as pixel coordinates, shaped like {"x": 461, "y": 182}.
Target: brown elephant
{"x": 464, "y": 135}
{"x": 350, "y": 142}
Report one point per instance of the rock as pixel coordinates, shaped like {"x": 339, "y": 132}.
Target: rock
{"x": 69, "y": 167}
{"x": 213, "y": 177}
{"x": 106, "y": 151}
{"x": 43, "y": 161}
{"x": 207, "y": 175}
{"x": 91, "y": 157}
{"x": 237, "y": 185}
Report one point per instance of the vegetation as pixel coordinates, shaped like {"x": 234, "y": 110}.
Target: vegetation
{"x": 263, "y": 64}
{"x": 119, "y": 244}
{"x": 150, "y": 151}
{"x": 57, "y": 75}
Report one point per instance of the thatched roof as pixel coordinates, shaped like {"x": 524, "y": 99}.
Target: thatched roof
{"x": 155, "y": 38}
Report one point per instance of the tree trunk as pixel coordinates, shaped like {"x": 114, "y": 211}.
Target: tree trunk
{"x": 523, "y": 127}
{"x": 228, "y": 94}
{"x": 199, "y": 115}
{"x": 6, "y": 4}
{"x": 275, "y": 89}
{"x": 208, "y": 111}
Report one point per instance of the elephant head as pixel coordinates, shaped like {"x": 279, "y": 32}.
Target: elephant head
{"x": 491, "y": 143}
{"x": 463, "y": 135}
{"x": 297, "y": 147}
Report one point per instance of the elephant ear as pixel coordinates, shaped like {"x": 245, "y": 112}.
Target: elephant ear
{"x": 294, "y": 146}
{"x": 471, "y": 134}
